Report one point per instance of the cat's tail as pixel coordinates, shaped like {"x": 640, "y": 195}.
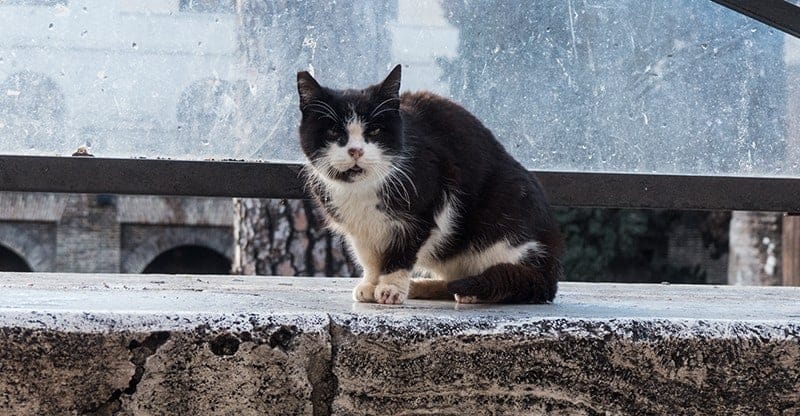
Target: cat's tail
{"x": 534, "y": 282}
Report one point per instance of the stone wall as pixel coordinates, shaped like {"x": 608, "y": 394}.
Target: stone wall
{"x": 87, "y": 239}
{"x": 109, "y": 233}
{"x": 33, "y": 241}
{"x": 140, "y": 244}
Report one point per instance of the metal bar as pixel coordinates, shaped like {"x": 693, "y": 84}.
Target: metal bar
{"x": 282, "y": 180}
{"x": 149, "y": 177}
{"x": 779, "y": 14}
{"x": 686, "y": 192}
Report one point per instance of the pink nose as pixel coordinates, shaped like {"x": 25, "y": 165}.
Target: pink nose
{"x": 355, "y": 152}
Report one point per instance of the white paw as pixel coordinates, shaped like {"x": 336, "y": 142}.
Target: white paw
{"x": 466, "y": 299}
{"x": 389, "y": 294}
{"x": 364, "y": 292}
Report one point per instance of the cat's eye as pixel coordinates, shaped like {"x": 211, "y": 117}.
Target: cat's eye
{"x": 374, "y": 132}
{"x": 334, "y": 134}
{"x": 337, "y": 136}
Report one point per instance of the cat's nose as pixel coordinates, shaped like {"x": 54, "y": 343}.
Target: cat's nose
{"x": 355, "y": 152}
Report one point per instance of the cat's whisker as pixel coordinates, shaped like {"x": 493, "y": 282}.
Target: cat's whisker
{"x": 320, "y": 106}
{"x": 399, "y": 193}
{"x": 321, "y": 162}
{"x": 397, "y": 185}
{"x": 324, "y": 105}
{"x": 399, "y": 190}
{"x": 384, "y": 111}
{"x": 323, "y": 109}
{"x": 324, "y": 168}
{"x": 324, "y": 115}
{"x": 372, "y": 114}
{"x": 391, "y": 189}
{"x": 381, "y": 172}
{"x": 387, "y": 172}
{"x": 310, "y": 179}
{"x": 407, "y": 195}
{"x": 399, "y": 168}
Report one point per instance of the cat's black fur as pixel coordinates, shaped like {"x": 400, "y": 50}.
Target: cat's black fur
{"x": 449, "y": 154}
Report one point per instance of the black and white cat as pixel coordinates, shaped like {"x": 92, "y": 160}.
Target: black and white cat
{"x": 416, "y": 181}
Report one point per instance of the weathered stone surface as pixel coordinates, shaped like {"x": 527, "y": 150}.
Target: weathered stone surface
{"x": 565, "y": 366}
{"x": 154, "y": 345}
{"x": 49, "y": 372}
{"x": 268, "y": 370}
{"x": 229, "y": 364}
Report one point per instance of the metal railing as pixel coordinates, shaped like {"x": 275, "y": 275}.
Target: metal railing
{"x": 282, "y": 180}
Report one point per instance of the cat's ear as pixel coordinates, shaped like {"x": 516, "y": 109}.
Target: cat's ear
{"x": 308, "y": 88}
{"x": 390, "y": 87}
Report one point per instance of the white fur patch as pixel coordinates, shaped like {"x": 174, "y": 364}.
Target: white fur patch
{"x": 355, "y": 131}
{"x": 369, "y": 229}
{"x": 445, "y": 226}
{"x": 473, "y": 262}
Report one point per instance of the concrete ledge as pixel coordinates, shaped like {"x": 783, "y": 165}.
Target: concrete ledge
{"x": 151, "y": 345}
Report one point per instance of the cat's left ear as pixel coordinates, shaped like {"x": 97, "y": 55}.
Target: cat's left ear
{"x": 390, "y": 87}
{"x": 308, "y": 88}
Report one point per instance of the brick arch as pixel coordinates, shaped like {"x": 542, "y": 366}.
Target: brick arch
{"x": 190, "y": 260}
{"x": 33, "y": 242}
{"x": 143, "y": 244}
{"x": 11, "y": 260}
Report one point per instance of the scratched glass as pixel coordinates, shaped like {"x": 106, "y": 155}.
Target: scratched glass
{"x": 684, "y": 86}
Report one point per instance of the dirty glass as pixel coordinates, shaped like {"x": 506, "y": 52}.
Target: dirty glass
{"x": 684, "y": 86}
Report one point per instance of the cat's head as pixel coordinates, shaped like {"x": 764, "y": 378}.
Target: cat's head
{"x": 351, "y": 135}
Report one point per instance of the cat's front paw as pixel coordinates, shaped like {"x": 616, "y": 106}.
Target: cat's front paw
{"x": 364, "y": 292}
{"x": 466, "y": 299}
{"x": 390, "y": 294}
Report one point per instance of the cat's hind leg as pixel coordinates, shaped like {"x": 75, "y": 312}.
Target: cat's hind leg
{"x": 429, "y": 288}
{"x": 508, "y": 283}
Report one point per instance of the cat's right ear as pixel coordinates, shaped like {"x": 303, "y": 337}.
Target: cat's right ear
{"x": 308, "y": 88}
{"x": 390, "y": 87}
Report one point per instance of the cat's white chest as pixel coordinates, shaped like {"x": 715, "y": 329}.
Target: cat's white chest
{"x": 358, "y": 216}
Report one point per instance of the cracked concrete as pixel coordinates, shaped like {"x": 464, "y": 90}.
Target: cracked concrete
{"x": 153, "y": 345}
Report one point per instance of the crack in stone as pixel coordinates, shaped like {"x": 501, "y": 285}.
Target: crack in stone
{"x": 324, "y": 383}
{"x": 140, "y": 352}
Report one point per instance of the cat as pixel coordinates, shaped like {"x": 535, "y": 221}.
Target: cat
{"x": 415, "y": 181}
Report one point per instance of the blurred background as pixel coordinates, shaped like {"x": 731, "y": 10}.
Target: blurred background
{"x": 685, "y": 87}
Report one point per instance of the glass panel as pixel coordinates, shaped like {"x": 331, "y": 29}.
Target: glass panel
{"x": 668, "y": 87}
{"x": 684, "y": 86}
